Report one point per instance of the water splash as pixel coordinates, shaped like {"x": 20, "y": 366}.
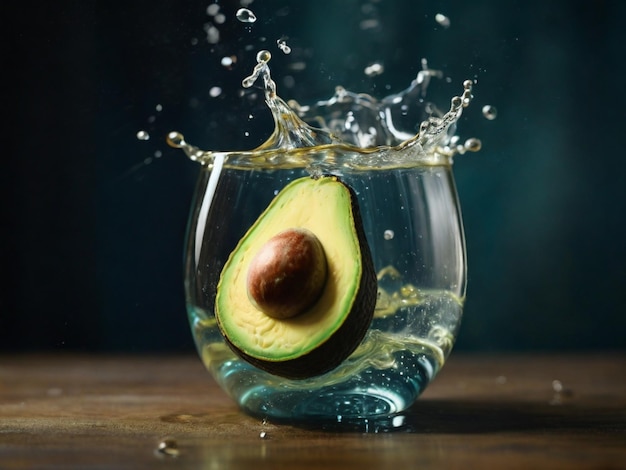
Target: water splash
{"x": 350, "y": 129}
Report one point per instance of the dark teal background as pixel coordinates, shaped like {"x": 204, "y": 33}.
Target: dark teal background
{"x": 93, "y": 221}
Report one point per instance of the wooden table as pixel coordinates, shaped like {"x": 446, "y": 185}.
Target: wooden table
{"x": 527, "y": 412}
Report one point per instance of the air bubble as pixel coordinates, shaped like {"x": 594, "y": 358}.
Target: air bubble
{"x": 490, "y": 112}
{"x": 443, "y": 20}
{"x": 143, "y": 135}
{"x": 374, "y": 69}
{"x": 215, "y": 91}
{"x": 388, "y": 235}
{"x": 245, "y": 16}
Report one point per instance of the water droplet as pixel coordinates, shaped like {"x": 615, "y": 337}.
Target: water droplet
{"x": 371, "y": 23}
{"x": 263, "y": 435}
{"x": 557, "y": 386}
{"x": 245, "y": 16}
{"x": 263, "y": 56}
{"x": 175, "y": 139}
{"x": 388, "y": 235}
{"x": 443, "y": 20}
{"x": 168, "y": 447}
{"x": 374, "y": 69}
{"x": 158, "y": 154}
{"x": 228, "y": 61}
{"x": 159, "y": 108}
{"x": 212, "y": 34}
{"x": 490, "y": 112}
{"x": 215, "y": 91}
{"x": 398, "y": 421}
{"x": 473, "y": 145}
{"x": 143, "y": 135}
{"x": 282, "y": 45}
{"x": 213, "y": 9}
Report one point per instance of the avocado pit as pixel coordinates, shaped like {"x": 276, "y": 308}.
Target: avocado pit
{"x": 287, "y": 274}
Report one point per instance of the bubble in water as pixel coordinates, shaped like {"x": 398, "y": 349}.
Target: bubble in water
{"x": 443, "y": 20}
{"x": 263, "y": 435}
{"x": 388, "y": 235}
{"x": 159, "y": 108}
{"x": 374, "y": 69}
{"x": 143, "y": 135}
{"x": 220, "y": 18}
{"x": 282, "y": 45}
{"x": 215, "y": 91}
{"x": 490, "y": 112}
{"x": 245, "y": 16}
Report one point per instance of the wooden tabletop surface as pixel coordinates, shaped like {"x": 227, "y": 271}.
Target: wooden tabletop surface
{"x": 128, "y": 412}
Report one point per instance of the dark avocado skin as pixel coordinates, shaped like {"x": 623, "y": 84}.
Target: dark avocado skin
{"x": 328, "y": 355}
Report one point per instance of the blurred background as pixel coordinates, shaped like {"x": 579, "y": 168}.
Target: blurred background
{"x": 94, "y": 217}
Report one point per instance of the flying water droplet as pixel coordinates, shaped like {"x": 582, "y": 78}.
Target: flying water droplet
{"x": 212, "y": 34}
{"x": 215, "y": 91}
{"x": 143, "y": 135}
{"x": 213, "y": 9}
{"x": 282, "y": 45}
{"x": 168, "y": 447}
{"x": 473, "y": 144}
{"x": 443, "y": 20}
{"x": 374, "y": 69}
{"x": 263, "y": 435}
{"x": 388, "y": 235}
{"x": 490, "y": 112}
{"x": 175, "y": 139}
{"x": 245, "y": 15}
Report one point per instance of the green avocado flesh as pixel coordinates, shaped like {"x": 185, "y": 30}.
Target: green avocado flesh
{"x": 331, "y": 328}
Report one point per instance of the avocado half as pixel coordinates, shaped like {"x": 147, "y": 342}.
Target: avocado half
{"x": 320, "y": 335}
